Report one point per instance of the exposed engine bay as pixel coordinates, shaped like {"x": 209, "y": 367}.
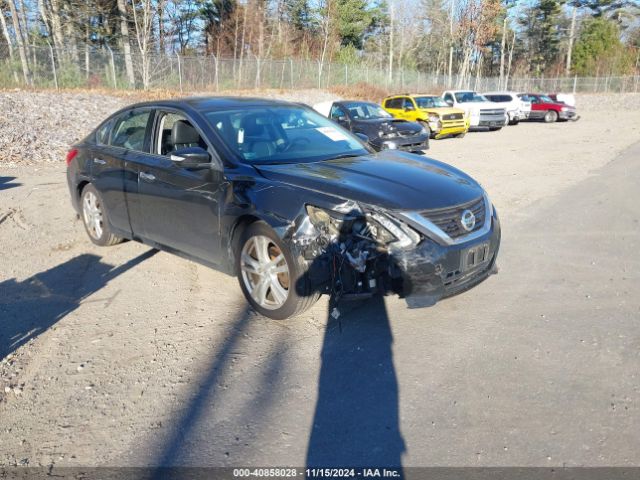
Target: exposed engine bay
{"x": 349, "y": 251}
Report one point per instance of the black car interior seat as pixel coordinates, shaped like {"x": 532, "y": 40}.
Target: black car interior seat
{"x": 184, "y": 135}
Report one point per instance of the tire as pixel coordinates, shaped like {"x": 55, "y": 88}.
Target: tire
{"x": 460, "y": 135}
{"x": 494, "y": 129}
{"x": 514, "y": 122}
{"x": 551, "y": 116}
{"x": 259, "y": 242}
{"x": 95, "y": 218}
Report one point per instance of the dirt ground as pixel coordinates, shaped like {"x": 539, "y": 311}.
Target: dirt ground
{"x": 126, "y": 356}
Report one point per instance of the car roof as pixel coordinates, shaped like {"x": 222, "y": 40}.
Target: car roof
{"x": 500, "y": 93}
{"x": 212, "y": 103}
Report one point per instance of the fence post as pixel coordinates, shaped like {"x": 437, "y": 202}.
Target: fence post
{"x": 215, "y": 65}
{"x": 575, "y": 83}
{"x": 291, "y": 73}
{"x": 53, "y": 65}
{"x": 179, "y": 71}
{"x": 113, "y": 68}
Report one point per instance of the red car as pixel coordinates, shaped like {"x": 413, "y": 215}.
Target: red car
{"x": 545, "y": 108}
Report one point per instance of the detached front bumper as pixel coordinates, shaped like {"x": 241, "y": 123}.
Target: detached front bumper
{"x": 432, "y": 271}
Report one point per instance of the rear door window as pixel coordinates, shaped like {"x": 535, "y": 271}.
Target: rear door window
{"x": 103, "y": 132}
{"x": 130, "y": 130}
{"x": 394, "y": 103}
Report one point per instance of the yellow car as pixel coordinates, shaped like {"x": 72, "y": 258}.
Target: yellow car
{"x": 431, "y": 111}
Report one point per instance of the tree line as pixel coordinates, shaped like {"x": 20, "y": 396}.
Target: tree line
{"x": 454, "y": 38}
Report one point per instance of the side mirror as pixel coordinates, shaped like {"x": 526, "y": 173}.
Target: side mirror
{"x": 362, "y": 137}
{"x": 190, "y": 157}
{"x": 408, "y": 108}
{"x": 342, "y": 119}
{"x": 449, "y": 102}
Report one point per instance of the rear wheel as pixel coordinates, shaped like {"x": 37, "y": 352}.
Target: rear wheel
{"x": 460, "y": 135}
{"x": 551, "y": 116}
{"x": 271, "y": 278}
{"x": 94, "y": 218}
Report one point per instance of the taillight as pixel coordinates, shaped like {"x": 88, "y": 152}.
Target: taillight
{"x": 71, "y": 155}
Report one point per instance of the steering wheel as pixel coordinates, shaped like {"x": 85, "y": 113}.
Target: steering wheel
{"x": 299, "y": 140}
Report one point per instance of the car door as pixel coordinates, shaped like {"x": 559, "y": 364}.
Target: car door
{"x": 178, "y": 206}
{"x": 408, "y": 109}
{"x": 537, "y": 107}
{"x": 113, "y": 140}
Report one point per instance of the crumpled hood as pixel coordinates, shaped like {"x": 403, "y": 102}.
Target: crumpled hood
{"x": 389, "y": 124}
{"x": 390, "y": 179}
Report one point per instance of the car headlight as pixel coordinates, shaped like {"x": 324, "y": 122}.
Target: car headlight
{"x": 433, "y": 117}
{"x": 375, "y": 226}
{"x": 564, "y": 109}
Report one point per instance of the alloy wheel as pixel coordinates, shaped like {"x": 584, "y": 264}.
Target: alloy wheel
{"x": 265, "y": 272}
{"x": 92, "y": 215}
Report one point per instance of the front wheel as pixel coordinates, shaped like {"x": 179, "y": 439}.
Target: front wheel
{"x": 551, "y": 116}
{"x": 273, "y": 281}
{"x": 94, "y": 217}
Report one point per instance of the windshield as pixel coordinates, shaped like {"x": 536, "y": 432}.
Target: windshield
{"x": 361, "y": 110}
{"x": 546, "y": 99}
{"x": 430, "y": 102}
{"x": 283, "y": 134}
{"x": 467, "y": 97}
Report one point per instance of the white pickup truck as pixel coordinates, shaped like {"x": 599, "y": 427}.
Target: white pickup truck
{"x": 517, "y": 108}
{"x": 482, "y": 113}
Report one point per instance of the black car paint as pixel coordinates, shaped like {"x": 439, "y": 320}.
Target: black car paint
{"x": 197, "y": 213}
{"x": 414, "y": 140}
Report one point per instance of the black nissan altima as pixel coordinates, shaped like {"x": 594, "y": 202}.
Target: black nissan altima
{"x": 283, "y": 198}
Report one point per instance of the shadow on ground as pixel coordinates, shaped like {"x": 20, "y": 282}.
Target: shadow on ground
{"x": 31, "y": 306}
{"x": 6, "y": 183}
{"x": 356, "y": 421}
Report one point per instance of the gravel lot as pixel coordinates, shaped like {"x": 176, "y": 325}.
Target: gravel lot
{"x": 122, "y": 355}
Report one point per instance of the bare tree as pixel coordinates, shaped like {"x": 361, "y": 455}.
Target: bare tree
{"x": 126, "y": 41}
{"x": 20, "y": 41}
{"x": 143, "y": 19}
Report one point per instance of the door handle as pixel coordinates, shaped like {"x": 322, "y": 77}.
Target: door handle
{"x": 99, "y": 161}
{"x": 147, "y": 176}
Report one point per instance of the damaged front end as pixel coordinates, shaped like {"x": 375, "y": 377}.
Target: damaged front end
{"x": 355, "y": 251}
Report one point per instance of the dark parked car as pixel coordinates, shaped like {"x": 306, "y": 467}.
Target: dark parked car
{"x": 285, "y": 199}
{"x": 380, "y": 128}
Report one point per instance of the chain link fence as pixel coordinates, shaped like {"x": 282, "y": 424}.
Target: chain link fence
{"x": 105, "y": 68}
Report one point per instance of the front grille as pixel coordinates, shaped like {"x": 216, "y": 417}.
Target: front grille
{"x": 449, "y": 220}
{"x": 496, "y": 111}
{"x": 452, "y": 116}
{"x": 451, "y": 124}
{"x": 407, "y": 133}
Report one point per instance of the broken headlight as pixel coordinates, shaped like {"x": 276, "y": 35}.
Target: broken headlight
{"x": 375, "y": 226}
